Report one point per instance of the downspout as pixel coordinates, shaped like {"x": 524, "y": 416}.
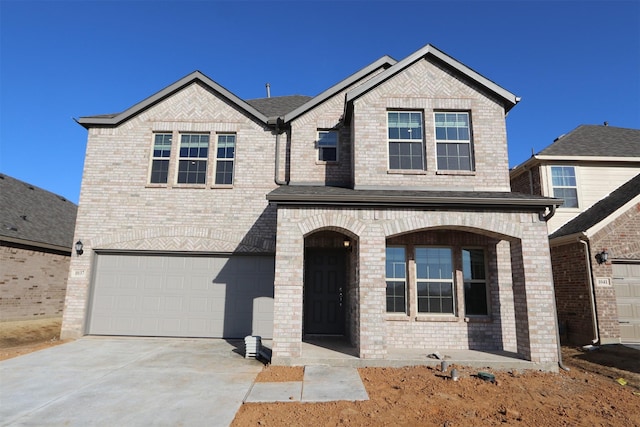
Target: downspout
{"x": 555, "y": 305}
{"x": 592, "y": 292}
{"x": 277, "y": 162}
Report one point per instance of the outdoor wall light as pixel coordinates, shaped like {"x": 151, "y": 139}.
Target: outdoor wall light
{"x": 347, "y": 243}
{"x": 79, "y": 247}
{"x": 602, "y": 257}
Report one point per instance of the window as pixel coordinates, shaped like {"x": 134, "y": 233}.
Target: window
{"x": 453, "y": 141}
{"x": 225, "y": 156}
{"x": 396, "y": 276}
{"x": 563, "y": 180}
{"x": 434, "y": 280}
{"x": 192, "y": 166}
{"x": 475, "y": 282}
{"x": 161, "y": 154}
{"x": 405, "y": 140}
{"x": 327, "y": 146}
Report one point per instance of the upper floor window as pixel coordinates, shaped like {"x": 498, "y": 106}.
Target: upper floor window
{"x": 161, "y": 154}
{"x": 225, "y": 155}
{"x": 405, "y": 140}
{"x": 563, "y": 180}
{"x": 396, "y": 277}
{"x": 434, "y": 280}
{"x": 327, "y": 146}
{"x": 192, "y": 165}
{"x": 453, "y": 141}
{"x": 475, "y": 282}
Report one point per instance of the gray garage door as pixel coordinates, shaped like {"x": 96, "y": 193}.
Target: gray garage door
{"x": 182, "y": 296}
{"x": 626, "y": 279}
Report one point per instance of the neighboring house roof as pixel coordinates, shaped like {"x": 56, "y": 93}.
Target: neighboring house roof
{"x": 601, "y": 210}
{"x": 596, "y": 141}
{"x": 35, "y": 217}
{"x": 279, "y": 105}
{"x": 509, "y": 100}
{"x": 195, "y": 77}
{"x": 320, "y": 195}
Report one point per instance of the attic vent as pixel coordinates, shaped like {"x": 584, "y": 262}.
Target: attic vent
{"x": 558, "y": 137}
{"x": 10, "y": 227}
{"x": 24, "y": 217}
{"x": 62, "y": 198}
{"x": 1, "y": 176}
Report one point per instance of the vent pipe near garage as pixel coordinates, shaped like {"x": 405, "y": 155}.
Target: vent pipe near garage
{"x": 268, "y": 86}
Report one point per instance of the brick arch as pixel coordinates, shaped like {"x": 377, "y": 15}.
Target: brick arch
{"x": 478, "y": 224}
{"x": 182, "y": 239}
{"x": 333, "y": 221}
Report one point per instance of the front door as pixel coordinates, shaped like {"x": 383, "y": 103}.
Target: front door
{"x": 324, "y": 291}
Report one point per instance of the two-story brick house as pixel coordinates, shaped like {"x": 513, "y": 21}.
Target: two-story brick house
{"x": 379, "y": 210}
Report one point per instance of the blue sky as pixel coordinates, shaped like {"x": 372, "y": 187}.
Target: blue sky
{"x": 571, "y": 62}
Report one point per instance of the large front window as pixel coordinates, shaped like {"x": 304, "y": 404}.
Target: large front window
{"x": 405, "y": 140}
{"x": 453, "y": 141}
{"x": 396, "y": 277}
{"x": 225, "y": 155}
{"x": 563, "y": 180}
{"x": 434, "y": 280}
{"x": 192, "y": 166}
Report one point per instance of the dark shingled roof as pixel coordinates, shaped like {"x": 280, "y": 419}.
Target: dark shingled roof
{"x": 319, "y": 195}
{"x": 32, "y": 216}
{"x": 596, "y": 141}
{"x": 279, "y": 105}
{"x": 601, "y": 210}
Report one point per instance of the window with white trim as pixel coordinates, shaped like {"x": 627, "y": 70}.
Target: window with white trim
{"x": 405, "y": 137}
{"x": 434, "y": 280}
{"x": 192, "y": 165}
{"x": 225, "y": 156}
{"x": 453, "y": 141}
{"x": 327, "y": 146}
{"x": 396, "y": 277}
{"x": 160, "y": 159}
{"x": 475, "y": 282}
{"x": 563, "y": 181}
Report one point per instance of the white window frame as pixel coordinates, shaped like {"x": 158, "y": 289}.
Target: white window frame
{"x": 193, "y": 159}
{"x": 468, "y": 142}
{"x": 320, "y": 147}
{"x": 406, "y": 141}
{"x": 162, "y": 158}
{"x": 552, "y": 187}
{"x": 218, "y": 160}
{"x": 398, "y": 280}
{"x": 452, "y": 281}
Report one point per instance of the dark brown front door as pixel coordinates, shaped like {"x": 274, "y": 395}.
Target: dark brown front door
{"x": 324, "y": 291}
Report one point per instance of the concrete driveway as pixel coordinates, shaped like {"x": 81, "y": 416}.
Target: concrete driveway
{"x": 127, "y": 382}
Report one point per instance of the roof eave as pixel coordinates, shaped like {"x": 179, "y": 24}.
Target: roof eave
{"x": 88, "y": 122}
{"x": 510, "y": 100}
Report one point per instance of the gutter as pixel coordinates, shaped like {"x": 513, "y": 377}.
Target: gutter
{"x": 276, "y": 171}
{"x": 592, "y": 291}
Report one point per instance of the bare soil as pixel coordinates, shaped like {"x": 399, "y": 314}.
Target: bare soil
{"x": 590, "y": 394}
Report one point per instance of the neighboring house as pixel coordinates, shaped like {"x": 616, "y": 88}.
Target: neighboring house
{"x": 595, "y": 170}
{"x": 379, "y": 210}
{"x": 36, "y": 237}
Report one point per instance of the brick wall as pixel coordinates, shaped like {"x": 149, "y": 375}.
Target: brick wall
{"x": 32, "y": 283}
{"x": 528, "y": 182}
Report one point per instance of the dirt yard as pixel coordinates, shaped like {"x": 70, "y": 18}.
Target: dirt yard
{"x": 590, "y": 394}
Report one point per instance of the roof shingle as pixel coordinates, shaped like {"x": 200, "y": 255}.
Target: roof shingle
{"x": 596, "y": 141}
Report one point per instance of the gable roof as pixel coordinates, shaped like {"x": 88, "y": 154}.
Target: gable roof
{"x": 509, "y": 99}
{"x": 384, "y": 62}
{"x": 195, "y": 77}
{"x": 35, "y": 217}
{"x": 596, "y": 141}
{"x": 601, "y": 210}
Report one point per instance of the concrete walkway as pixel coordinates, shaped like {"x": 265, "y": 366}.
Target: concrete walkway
{"x": 109, "y": 381}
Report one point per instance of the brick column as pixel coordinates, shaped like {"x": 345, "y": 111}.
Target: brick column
{"x": 372, "y": 294}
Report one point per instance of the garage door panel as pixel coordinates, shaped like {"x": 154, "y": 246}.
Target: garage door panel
{"x": 626, "y": 281}
{"x": 147, "y": 295}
